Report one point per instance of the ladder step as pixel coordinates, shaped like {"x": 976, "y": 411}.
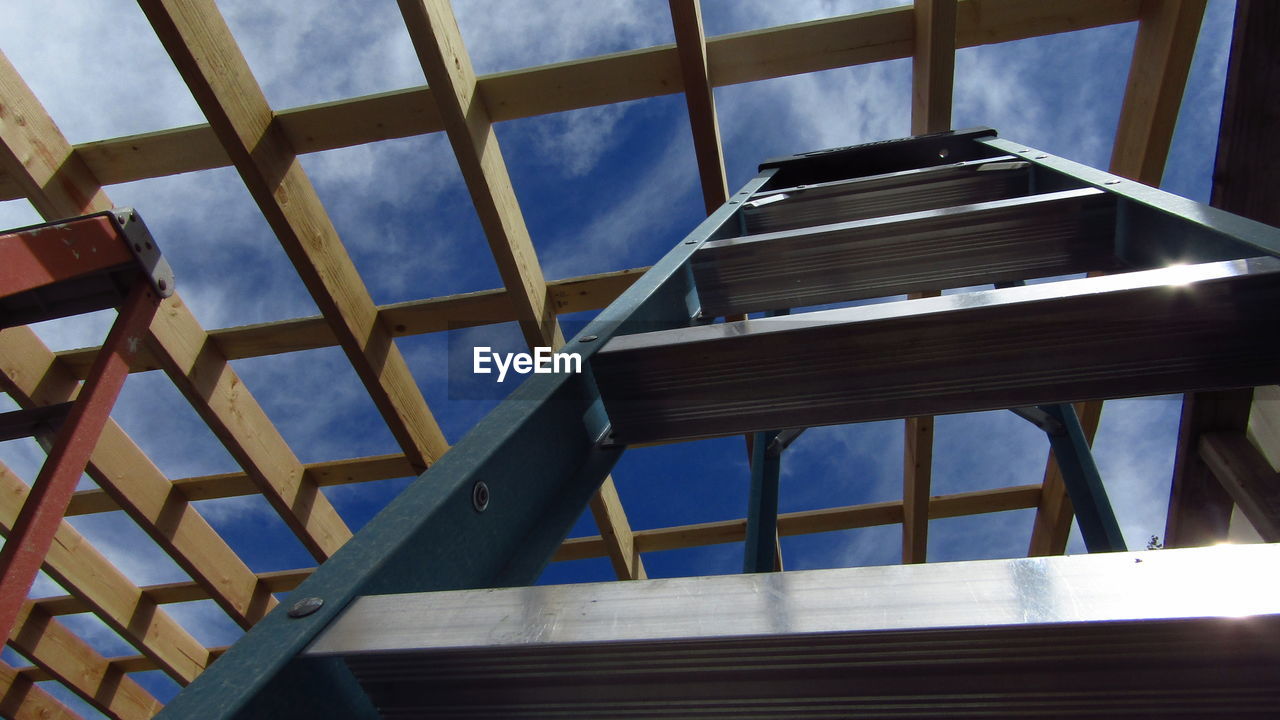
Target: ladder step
{"x": 1196, "y": 327}
{"x": 890, "y": 194}
{"x": 1088, "y": 633}
{"x": 75, "y": 266}
{"x": 1003, "y": 240}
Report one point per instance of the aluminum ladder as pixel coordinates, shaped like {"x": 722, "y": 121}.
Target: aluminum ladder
{"x": 1176, "y": 296}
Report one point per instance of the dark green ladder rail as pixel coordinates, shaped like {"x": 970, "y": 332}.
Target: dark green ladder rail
{"x": 949, "y": 210}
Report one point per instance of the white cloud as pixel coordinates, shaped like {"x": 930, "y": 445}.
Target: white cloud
{"x": 509, "y": 34}
{"x": 97, "y": 67}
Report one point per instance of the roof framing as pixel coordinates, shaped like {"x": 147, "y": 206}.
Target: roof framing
{"x": 263, "y": 144}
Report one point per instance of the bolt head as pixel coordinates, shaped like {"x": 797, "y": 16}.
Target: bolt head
{"x": 480, "y": 496}
{"x": 305, "y": 607}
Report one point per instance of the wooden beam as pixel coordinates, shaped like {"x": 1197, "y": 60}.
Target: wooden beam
{"x": 438, "y": 42}
{"x": 76, "y": 565}
{"x": 917, "y": 474}
{"x": 34, "y": 378}
{"x": 616, "y": 535}
{"x": 201, "y": 46}
{"x": 1162, "y": 52}
{"x": 122, "y": 663}
{"x": 1199, "y": 506}
{"x": 811, "y": 521}
{"x": 62, "y": 187}
{"x": 205, "y": 377}
{"x": 197, "y": 368}
{"x": 35, "y": 156}
{"x": 415, "y": 317}
{"x": 1248, "y": 477}
{"x": 1245, "y": 175}
{"x": 933, "y": 66}
{"x": 280, "y": 581}
{"x": 22, "y": 699}
{"x": 732, "y": 59}
{"x": 691, "y": 45}
{"x": 68, "y": 659}
{"x": 238, "y": 484}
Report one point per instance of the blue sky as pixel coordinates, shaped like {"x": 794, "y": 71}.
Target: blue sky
{"x": 602, "y": 189}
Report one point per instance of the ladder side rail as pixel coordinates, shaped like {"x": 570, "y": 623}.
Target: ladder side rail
{"x": 540, "y": 455}
{"x": 1094, "y": 514}
{"x": 38, "y": 520}
{"x": 1207, "y": 233}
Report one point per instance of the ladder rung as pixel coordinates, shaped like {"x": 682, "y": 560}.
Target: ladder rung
{"x": 1087, "y": 633}
{"x": 26, "y": 423}
{"x": 891, "y": 194}
{"x": 1141, "y": 333}
{"x": 1037, "y": 236}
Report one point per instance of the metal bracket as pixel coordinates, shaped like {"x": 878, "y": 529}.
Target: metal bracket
{"x": 1040, "y": 419}
{"x": 144, "y": 248}
{"x": 782, "y": 441}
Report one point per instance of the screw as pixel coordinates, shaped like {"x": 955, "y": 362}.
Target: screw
{"x": 305, "y": 607}
{"x": 588, "y": 338}
{"x": 480, "y": 496}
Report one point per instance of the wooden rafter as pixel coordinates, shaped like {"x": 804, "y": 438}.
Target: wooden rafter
{"x": 932, "y": 77}
{"x": 196, "y": 37}
{"x": 35, "y": 152}
{"x": 22, "y": 699}
{"x": 75, "y": 564}
{"x": 34, "y": 378}
{"x": 813, "y": 521}
{"x": 691, "y": 45}
{"x": 414, "y": 317}
{"x": 206, "y": 378}
{"x": 203, "y": 375}
{"x": 239, "y": 484}
{"x": 56, "y": 650}
{"x": 933, "y": 66}
{"x": 438, "y": 42}
{"x": 445, "y": 62}
{"x": 1244, "y": 182}
{"x": 732, "y": 59}
{"x": 1247, "y": 477}
{"x": 1158, "y": 71}
{"x": 1162, "y": 53}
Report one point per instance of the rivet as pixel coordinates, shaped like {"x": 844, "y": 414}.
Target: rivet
{"x": 1041, "y": 157}
{"x": 943, "y": 153}
{"x": 305, "y": 607}
{"x": 588, "y": 338}
{"x": 480, "y": 496}
{"x": 1111, "y": 182}
{"x": 162, "y": 284}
